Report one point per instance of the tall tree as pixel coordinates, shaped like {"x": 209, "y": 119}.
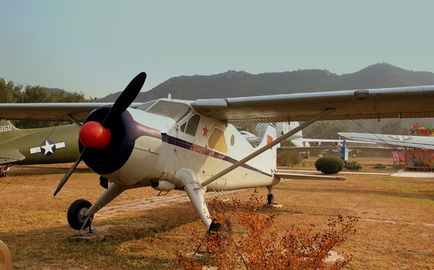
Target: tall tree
{"x": 325, "y": 130}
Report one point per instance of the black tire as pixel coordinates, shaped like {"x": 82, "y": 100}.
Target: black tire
{"x": 75, "y": 214}
{"x": 214, "y": 226}
{"x": 270, "y": 198}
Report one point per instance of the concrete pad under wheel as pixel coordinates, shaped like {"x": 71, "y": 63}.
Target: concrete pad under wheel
{"x": 86, "y": 236}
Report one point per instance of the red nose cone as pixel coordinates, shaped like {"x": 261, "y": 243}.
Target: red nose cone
{"x": 94, "y": 136}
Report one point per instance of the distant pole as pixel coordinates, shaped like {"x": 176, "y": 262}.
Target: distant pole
{"x": 344, "y": 151}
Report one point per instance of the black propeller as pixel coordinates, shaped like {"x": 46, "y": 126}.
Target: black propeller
{"x": 125, "y": 99}
{"x": 121, "y": 104}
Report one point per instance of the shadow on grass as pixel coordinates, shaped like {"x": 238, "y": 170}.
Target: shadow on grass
{"x": 43, "y": 247}
{"x": 43, "y": 169}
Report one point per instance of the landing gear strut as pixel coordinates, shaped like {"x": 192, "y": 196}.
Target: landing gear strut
{"x": 3, "y": 171}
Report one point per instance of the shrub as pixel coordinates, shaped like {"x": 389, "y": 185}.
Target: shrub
{"x": 329, "y": 165}
{"x": 250, "y": 240}
{"x": 353, "y": 165}
{"x": 379, "y": 166}
{"x": 288, "y": 157}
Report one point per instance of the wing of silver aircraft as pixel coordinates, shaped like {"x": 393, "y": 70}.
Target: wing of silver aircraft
{"x": 424, "y": 142}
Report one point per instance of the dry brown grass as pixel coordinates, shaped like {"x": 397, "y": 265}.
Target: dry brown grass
{"x": 395, "y": 228}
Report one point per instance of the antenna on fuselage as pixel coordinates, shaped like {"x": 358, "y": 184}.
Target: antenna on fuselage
{"x": 169, "y": 96}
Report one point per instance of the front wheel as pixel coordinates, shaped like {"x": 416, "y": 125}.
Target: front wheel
{"x": 76, "y": 214}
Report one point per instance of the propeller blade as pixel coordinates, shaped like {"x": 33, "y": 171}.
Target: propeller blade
{"x": 69, "y": 173}
{"x": 125, "y": 99}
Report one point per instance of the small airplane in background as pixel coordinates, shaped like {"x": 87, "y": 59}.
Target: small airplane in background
{"x": 304, "y": 145}
{"x": 281, "y": 129}
{"x": 192, "y": 146}
{"x": 57, "y": 144}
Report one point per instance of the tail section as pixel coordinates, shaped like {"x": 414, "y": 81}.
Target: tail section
{"x": 9, "y": 131}
{"x": 270, "y": 155}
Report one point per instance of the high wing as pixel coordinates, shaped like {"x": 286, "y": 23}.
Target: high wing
{"x": 390, "y": 139}
{"x": 409, "y": 102}
{"x": 50, "y": 111}
{"x": 10, "y": 156}
{"x": 401, "y": 102}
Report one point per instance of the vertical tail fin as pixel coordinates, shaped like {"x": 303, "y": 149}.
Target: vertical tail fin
{"x": 8, "y": 131}
{"x": 270, "y": 155}
{"x": 297, "y": 138}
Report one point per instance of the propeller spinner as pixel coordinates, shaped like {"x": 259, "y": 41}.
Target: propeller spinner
{"x": 96, "y": 136}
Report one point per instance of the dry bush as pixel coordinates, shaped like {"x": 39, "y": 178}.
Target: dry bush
{"x": 248, "y": 240}
{"x": 288, "y": 157}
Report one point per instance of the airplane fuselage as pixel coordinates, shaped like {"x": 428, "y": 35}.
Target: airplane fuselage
{"x": 204, "y": 145}
{"x": 44, "y": 145}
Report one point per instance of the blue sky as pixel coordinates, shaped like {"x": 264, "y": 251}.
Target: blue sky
{"x": 96, "y": 47}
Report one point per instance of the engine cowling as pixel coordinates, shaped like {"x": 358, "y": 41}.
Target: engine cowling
{"x": 124, "y": 131}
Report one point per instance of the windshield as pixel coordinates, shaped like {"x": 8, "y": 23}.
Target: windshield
{"x": 174, "y": 110}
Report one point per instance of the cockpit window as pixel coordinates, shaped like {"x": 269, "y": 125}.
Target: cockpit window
{"x": 174, "y": 110}
{"x": 192, "y": 125}
{"x": 146, "y": 105}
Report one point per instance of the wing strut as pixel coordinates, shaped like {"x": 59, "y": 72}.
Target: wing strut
{"x": 268, "y": 146}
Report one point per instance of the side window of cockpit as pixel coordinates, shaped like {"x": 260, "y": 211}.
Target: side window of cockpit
{"x": 190, "y": 127}
{"x": 217, "y": 141}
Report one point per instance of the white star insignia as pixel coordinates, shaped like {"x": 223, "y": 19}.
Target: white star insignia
{"x": 48, "y": 148}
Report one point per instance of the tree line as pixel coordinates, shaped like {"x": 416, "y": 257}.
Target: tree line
{"x": 11, "y": 92}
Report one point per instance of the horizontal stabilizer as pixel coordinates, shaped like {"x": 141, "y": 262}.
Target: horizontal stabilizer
{"x": 286, "y": 175}
{"x": 10, "y": 156}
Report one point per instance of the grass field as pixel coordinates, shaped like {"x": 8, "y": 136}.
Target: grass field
{"x": 395, "y": 228}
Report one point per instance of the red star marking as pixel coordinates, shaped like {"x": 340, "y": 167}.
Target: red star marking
{"x": 269, "y": 140}
{"x": 205, "y": 131}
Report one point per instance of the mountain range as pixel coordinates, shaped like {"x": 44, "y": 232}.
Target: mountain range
{"x": 241, "y": 83}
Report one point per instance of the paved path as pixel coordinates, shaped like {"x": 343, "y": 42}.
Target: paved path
{"x": 402, "y": 173}
{"x": 148, "y": 203}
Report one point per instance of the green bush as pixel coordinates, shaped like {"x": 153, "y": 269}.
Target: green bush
{"x": 379, "y": 166}
{"x": 329, "y": 165}
{"x": 353, "y": 165}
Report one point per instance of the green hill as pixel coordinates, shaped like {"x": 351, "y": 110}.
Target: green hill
{"x": 240, "y": 83}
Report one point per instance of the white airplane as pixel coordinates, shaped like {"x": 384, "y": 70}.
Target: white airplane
{"x": 190, "y": 145}
{"x": 281, "y": 128}
{"x": 425, "y": 142}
